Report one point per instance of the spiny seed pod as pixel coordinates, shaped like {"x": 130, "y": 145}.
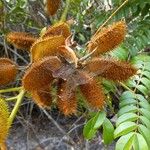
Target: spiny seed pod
{"x": 46, "y": 47}
{"x": 58, "y": 29}
{"x": 40, "y": 74}
{"x": 8, "y": 71}
{"x": 93, "y": 93}
{"x": 67, "y": 102}
{"x": 68, "y": 54}
{"x": 111, "y": 69}
{"x": 52, "y": 6}
{"x": 108, "y": 38}
{"x": 42, "y": 97}
{"x": 4, "y": 121}
{"x": 21, "y": 40}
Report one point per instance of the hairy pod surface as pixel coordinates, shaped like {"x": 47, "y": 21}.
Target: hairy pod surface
{"x": 93, "y": 94}
{"x": 40, "y": 74}
{"x": 111, "y": 69}
{"x": 61, "y": 28}
{"x": 4, "y": 121}
{"x": 67, "y": 102}
{"x": 52, "y": 6}
{"x": 108, "y": 38}
{"x": 42, "y": 97}
{"x": 21, "y": 40}
{"x": 8, "y": 71}
{"x": 46, "y": 47}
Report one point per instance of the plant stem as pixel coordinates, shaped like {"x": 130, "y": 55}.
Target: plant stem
{"x": 126, "y": 87}
{"x": 16, "y": 107}
{"x": 64, "y": 14}
{"x": 10, "y": 90}
{"x": 11, "y": 98}
{"x": 111, "y": 15}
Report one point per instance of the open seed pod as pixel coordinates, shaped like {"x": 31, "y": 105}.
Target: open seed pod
{"x": 8, "y": 71}
{"x": 42, "y": 97}
{"x": 108, "y": 38}
{"x": 46, "y": 47}
{"x": 61, "y": 28}
{"x": 39, "y": 75}
{"x": 67, "y": 102}
{"x": 21, "y": 40}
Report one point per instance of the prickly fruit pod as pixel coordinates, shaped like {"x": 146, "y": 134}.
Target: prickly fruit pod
{"x": 52, "y": 6}
{"x": 8, "y": 71}
{"x": 21, "y": 40}
{"x": 108, "y": 38}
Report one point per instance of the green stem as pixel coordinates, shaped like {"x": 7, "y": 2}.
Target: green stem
{"x": 64, "y": 15}
{"x": 16, "y": 107}
{"x": 10, "y": 90}
{"x": 11, "y": 98}
{"x": 126, "y": 87}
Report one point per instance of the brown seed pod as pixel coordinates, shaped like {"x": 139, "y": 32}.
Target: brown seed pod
{"x": 42, "y": 97}
{"x": 111, "y": 69}
{"x": 68, "y": 54}
{"x": 4, "y": 121}
{"x": 108, "y": 38}
{"x": 61, "y": 28}
{"x": 46, "y": 47}
{"x": 67, "y": 102}
{"x": 93, "y": 93}
{"x": 40, "y": 74}
{"x": 21, "y": 40}
{"x": 8, "y": 71}
{"x": 52, "y": 6}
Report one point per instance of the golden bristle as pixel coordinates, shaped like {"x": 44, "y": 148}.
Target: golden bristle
{"x": 108, "y": 38}
{"x": 93, "y": 93}
{"x": 8, "y": 71}
{"x": 21, "y": 40}
{"x": 111, "y": 69}
{"x": 42, "y": 97}
{"x": 67, "y": 102}
{"x": 40, "y": 73}
{"x": 4, "y": 121}
{"x": 52, "y": 6}
{"x": 58, "y": 29}
{"x": 46, "y": 47}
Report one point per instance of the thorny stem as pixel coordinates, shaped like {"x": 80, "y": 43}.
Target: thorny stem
{"x": 16, "y": 107}
{"x": 64, "y": 14}
{"x": 111, "y": 15}
{"x": 10, "y": 90}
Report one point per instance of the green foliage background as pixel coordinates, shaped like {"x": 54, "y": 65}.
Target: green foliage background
{"x": 130, "y": 101}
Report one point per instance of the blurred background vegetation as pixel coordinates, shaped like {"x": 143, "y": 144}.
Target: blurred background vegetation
{"x": 87, "y": 15}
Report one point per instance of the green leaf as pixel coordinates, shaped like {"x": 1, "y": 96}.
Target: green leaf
{"x": 145, "y": 112}
{"x": 88, "y": 131}
{"x": 127, "y": 95}
{"x": 127, "y": 102}
{"x": 99, "y": 119}
{"x": 127, "y": 109}
{"x": 145, "y": 121}
{"x": 93, "y": 124}
{"x": 146, "y": 82}
{"x": 126, "y": 117}
{"x": 108, "y": 132}
{"x": 145, "y": 132}
{"x": 124, "y": 128}
{"x": 141, "y": 142}
{"x": 142, "y": 89}
{"x": 125, "y": 142}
